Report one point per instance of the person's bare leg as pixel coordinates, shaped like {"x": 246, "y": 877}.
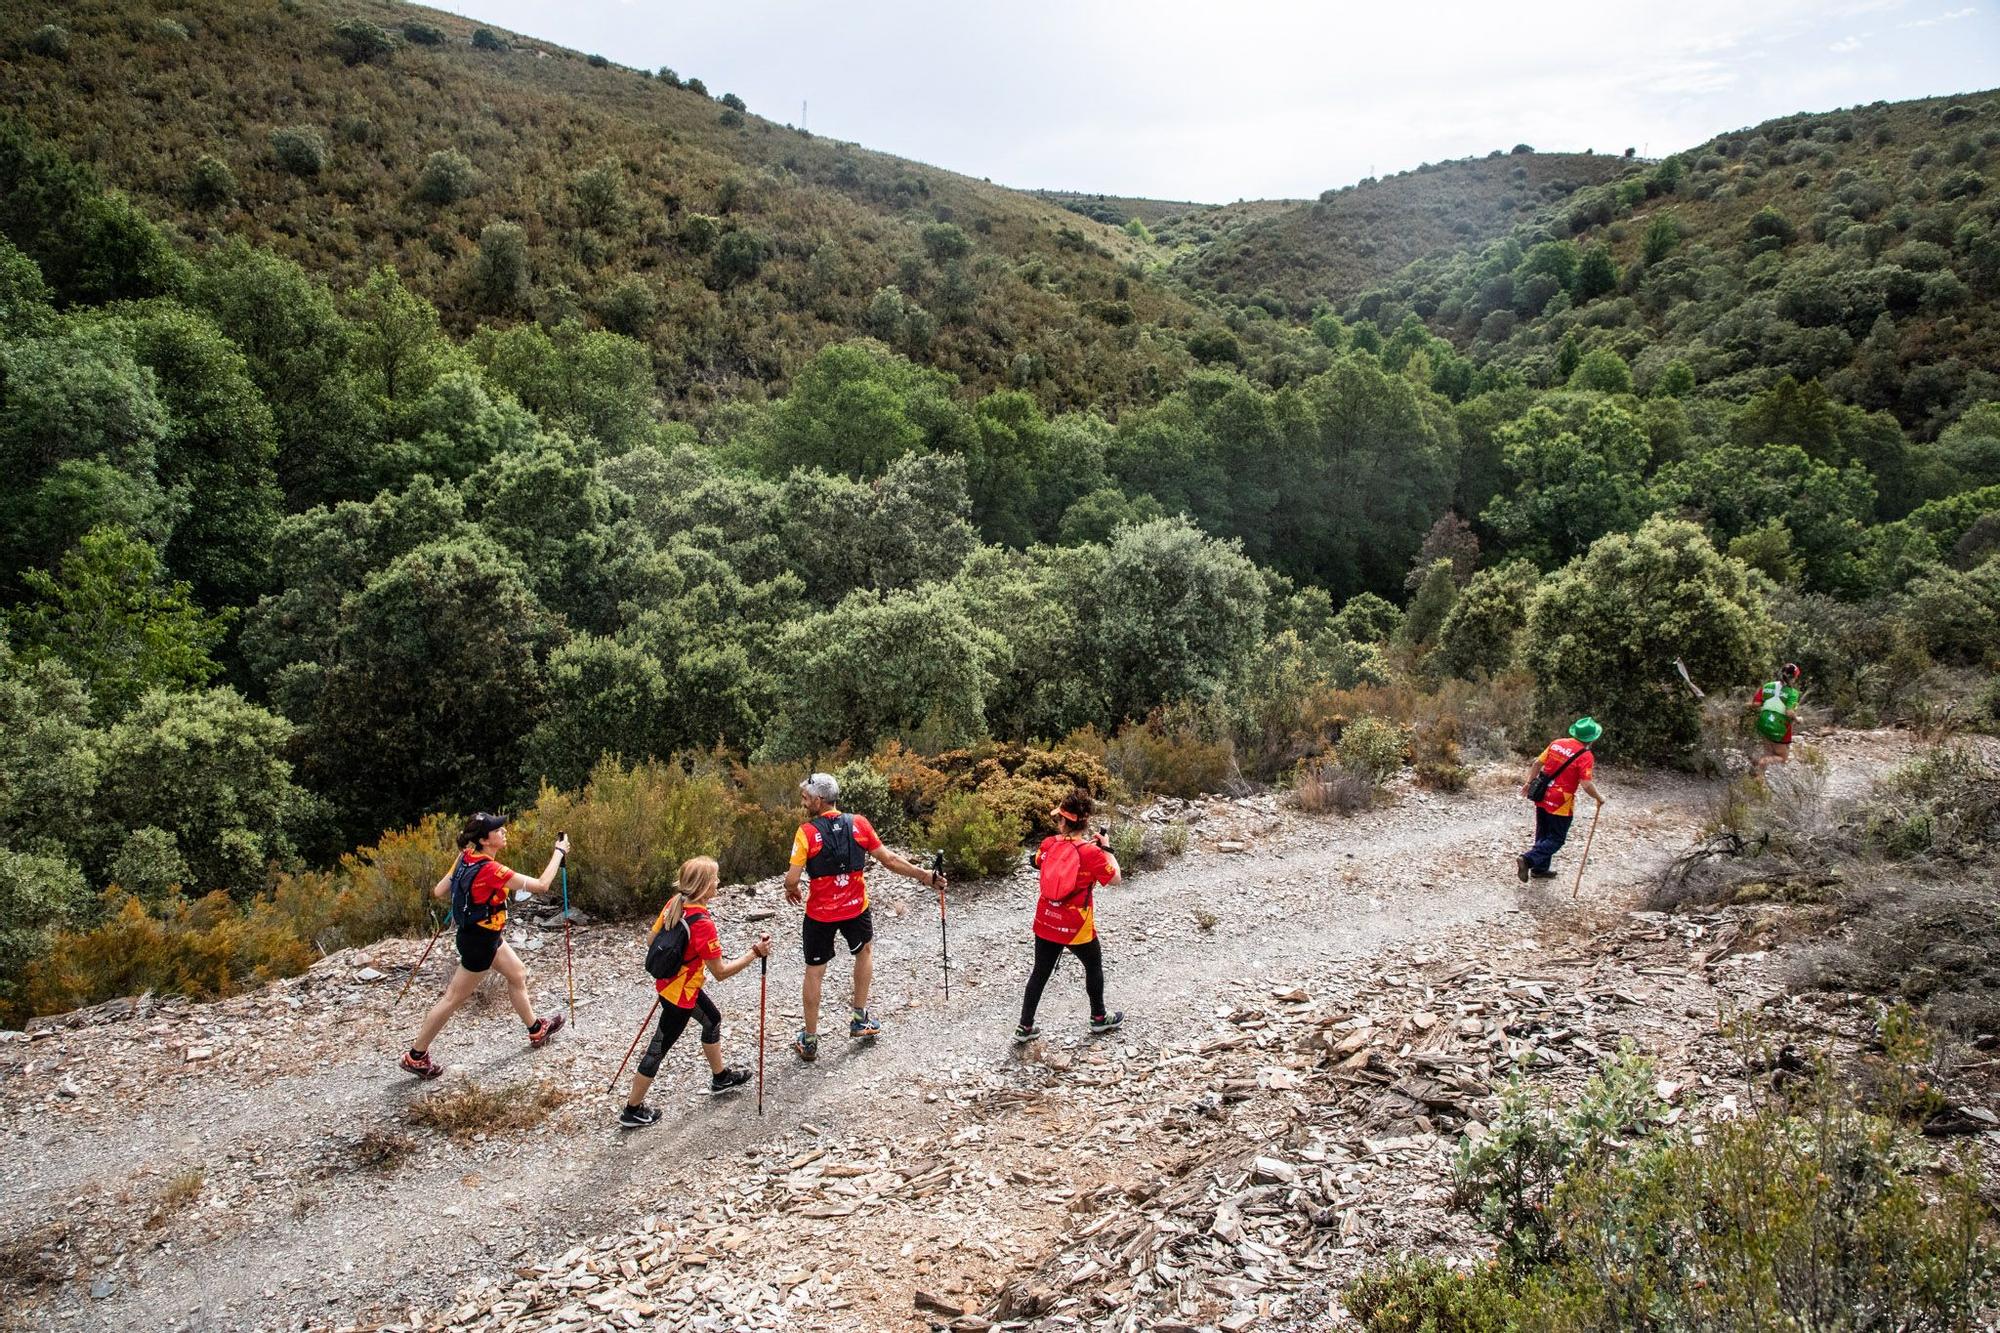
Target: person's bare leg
{"x": 712, "y": 1052}
{"x": 814, "y": 976}
{"x": 515, "y": 973}
{"x": 456, "y": 992}
{"x": 864, "y": 974}
{"x": 640, "y": 1082}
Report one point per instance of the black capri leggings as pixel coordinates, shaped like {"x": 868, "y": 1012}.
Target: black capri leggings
{"x": 1046, "y": 954}
{"x": 673, "y": 1021}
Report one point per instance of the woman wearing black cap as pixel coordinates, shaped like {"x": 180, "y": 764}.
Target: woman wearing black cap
{"x": 479, "y": 887}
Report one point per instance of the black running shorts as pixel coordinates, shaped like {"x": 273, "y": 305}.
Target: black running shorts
{"x": 477, "y": 946}
{"x": 856, "y": 930}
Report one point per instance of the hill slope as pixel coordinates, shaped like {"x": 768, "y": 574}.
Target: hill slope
{"x": 1860, "y": 247}
{"x": 733, "y": 246}
{"x": 1337, "y": 247}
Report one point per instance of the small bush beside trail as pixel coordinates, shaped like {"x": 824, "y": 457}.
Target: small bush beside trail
{"x": 976, "y": 837}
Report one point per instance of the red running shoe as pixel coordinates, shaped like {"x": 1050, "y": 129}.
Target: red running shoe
{"x": 421, "y": 1065}
{"x": 543, "y": 1028}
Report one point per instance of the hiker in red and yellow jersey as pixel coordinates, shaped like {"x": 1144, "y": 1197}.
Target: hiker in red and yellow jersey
{"x": 1553, "y": 781}
{"x": 479, "y": 887}
{"x": 829, "y": 852}
{"x": 1073, "y": 862}
{"x": 681, "y": 995}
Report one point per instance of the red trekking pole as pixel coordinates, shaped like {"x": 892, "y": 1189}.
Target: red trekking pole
{"x": 613, "y": 1085}
{"x": 763, "y": 989}
{"x": 420, "y": 964}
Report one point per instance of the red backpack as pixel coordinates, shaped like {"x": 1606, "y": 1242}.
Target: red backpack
{"x": 1062, "y": 868}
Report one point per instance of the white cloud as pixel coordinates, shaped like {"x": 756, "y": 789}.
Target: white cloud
{"x": 1949, "y": 16}
{"x": 1844, "y": 45}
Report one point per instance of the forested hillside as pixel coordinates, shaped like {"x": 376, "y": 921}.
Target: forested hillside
{"x": 507, "y": 180}
{"x": 336, "y": 505}
{"x": 1857, "y": 248}
{"x": 1353, "y": 238}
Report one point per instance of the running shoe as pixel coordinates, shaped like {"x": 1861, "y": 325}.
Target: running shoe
{"x": 728, "y": 1079}
{"x": 638, "y": 1117}
{"x": 542, "y": 1029}
{"x": 1104, "y": 1023}
{"x": 1024, "y": 1035}
{"x": 1543, "y": 874}
{"x": 806, "y": 1044}
{"x": 859, "y": 1024}
{"x": 421, "y": 1064}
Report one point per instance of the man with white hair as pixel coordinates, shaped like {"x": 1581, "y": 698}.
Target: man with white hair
{"x": 830, "y": 851}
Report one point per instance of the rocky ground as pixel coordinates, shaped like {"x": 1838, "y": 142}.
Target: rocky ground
{"x": 1317, "y": 1015}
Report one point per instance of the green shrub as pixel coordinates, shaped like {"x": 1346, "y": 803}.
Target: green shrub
{"x": 1945, "y": 803}
{"x": 359, "y": 40}
{"x": 864, "y": 790}
{"x": 485, "y": 39}
{"x": 1509, "y": 1178}
{"x": 1372, "y": 748}
{"x": 1421, "y": 1295}
{"x": 1434, "y": 754}
{"x": 729, "y": 118}
{"x": 447, "y": 177}
{"x": 1171, "y": 760}
{"x": 168, "y": 30}
{"x": 976, "y": 838}
{"x": 211, "y": 184}
{"x": 1174, "y": 839}
{"x": 50, "y": 40}
{"x": 38, "y": 896}
{"x": 423, "y": 34}
{"x": 299, "y": 149}
{"x": 1128, "y": 843}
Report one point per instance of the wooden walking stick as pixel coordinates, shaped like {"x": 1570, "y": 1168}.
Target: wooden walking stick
{"x": 613, "y": 1085}
{"x": 1588, "y": 838}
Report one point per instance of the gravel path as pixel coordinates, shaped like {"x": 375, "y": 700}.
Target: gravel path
{"x": 286, "y": 1226}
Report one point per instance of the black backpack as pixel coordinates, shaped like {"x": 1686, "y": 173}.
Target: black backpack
{"x": 1538, "y": 786}
{"x": 464, "y": 911}
{"x": 839, "y": 853}
{"x": 667, "y": 954}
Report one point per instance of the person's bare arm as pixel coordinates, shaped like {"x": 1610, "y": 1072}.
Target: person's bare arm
{"x": 792, "y": 894}
{"x": 442, "y": 887}
{"x": 891, "y": 861}
{"x": 1590, "y": 789}
{"x": 521, "y": 881}
{"x": 722, "y": 971}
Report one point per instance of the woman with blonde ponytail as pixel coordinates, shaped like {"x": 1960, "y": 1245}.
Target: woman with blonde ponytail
{"x": 681, "y": 996}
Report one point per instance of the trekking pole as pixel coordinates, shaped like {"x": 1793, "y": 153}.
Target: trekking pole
{"x": 420, "y": 965}
{"x": 613, "y": 1085}
{"x": 569, "y": 953}
{"x": 1588, "y": 839}
{"x": 763, "y": 990}
{"x": 944, "y": 935}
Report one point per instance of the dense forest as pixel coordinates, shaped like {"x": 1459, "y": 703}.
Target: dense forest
{"x": 336, "y": 505}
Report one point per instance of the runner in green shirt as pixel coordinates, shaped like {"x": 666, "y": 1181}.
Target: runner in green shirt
{"x": 1777, "y": 704}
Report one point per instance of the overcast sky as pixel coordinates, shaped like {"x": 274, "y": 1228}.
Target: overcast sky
{"x": 1218, "y": 101}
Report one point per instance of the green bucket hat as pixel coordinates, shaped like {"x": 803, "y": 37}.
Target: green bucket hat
{"x": 1586, "y": 730}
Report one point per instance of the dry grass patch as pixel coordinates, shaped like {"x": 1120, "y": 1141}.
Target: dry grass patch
{"x": 381, "y": 1149}
{"x": 180, "y": 1191}
{"x": 469, "y": 1109}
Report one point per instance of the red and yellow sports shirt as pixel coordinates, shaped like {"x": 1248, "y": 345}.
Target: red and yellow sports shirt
{"x": 1073, "y": 921}
{"x": 489, "y": 885}
{"x": 834, "y": 897}
{"x": 703, "y": 944}
{"x": 1560, "y": 798}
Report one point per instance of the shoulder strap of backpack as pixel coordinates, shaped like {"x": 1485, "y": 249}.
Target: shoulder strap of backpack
{"x": 1581, "y": 750}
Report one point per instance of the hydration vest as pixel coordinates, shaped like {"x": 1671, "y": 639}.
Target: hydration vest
{"x": 839, "y": 853}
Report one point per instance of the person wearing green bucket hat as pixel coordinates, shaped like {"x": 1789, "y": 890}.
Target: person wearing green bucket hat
{"x": 1558, "y": 772}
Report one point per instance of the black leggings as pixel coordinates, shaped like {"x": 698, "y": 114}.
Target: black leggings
{"x": 674, "y": 1021}
{"x": 1046, "y": 954}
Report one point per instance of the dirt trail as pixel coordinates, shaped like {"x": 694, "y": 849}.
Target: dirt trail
{"x": 289, "y": 1229}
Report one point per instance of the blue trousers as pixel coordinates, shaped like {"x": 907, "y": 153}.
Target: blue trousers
{"x": 1551, "y": 832}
